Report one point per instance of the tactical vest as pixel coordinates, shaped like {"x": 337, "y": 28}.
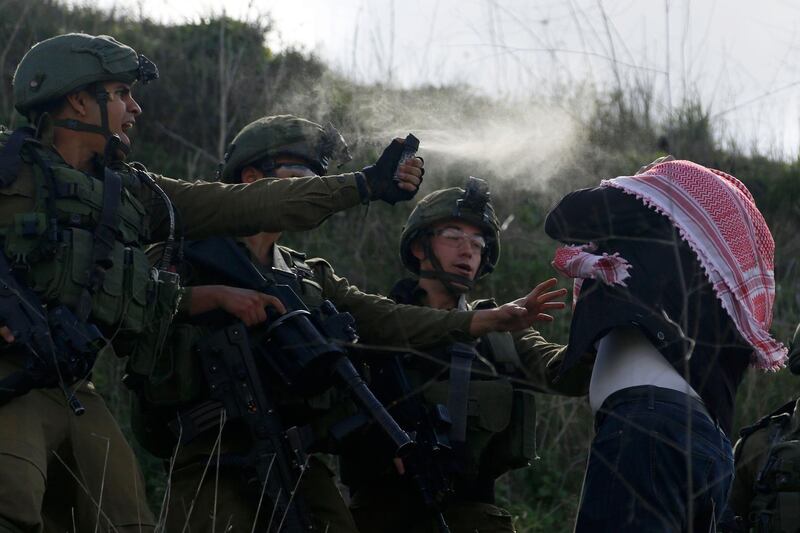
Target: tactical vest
{"x": 501, "y": 413}
{"x": 175, "y": 382}
{"x": 50, "y": 238}
{"x": 775, "y": 507}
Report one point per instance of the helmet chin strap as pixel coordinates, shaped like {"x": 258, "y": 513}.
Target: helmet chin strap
{"x": 114, "y": 145}
{"x": 454, "y": 283}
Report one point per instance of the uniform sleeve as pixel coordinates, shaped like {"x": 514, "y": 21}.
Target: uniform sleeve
{"x": 602, "y": 213}
{"x": 380, "y": 320}
{"x": 206, "y": 209}
{"x": 541, "y": 360}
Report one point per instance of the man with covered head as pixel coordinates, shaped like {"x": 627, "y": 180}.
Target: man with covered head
{"x": 452, "y": 239}
{"x": 208, "y": 475}
{"x": 74, "y": 217}
{"x": 674, "y": 292}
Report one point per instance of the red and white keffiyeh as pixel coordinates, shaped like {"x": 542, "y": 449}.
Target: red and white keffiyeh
{"x": 717, "y": 216}
{"x": 581, "y": 263}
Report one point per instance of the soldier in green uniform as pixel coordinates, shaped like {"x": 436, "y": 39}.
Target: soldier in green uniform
{"x": 206, "y": 490}
{"x": 452, "y": 239}
{"x": 74, "y": 217}
{"x": 765, "y": 497}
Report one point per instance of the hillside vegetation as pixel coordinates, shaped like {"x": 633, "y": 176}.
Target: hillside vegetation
{"x": 218, "y": 75}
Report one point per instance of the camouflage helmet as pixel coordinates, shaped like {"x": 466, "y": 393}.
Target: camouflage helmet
{"x": 471, "y": 204}
{"x": 283, "y": 135}
{"x": 57, "y": 66}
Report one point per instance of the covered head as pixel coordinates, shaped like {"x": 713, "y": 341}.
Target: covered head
{"x": 263, "y": 140}
{"x": 471, "y": 204}
{"x": 55, "y": 67}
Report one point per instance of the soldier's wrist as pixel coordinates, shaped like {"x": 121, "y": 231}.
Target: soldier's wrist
{"x": 363, "y": 188}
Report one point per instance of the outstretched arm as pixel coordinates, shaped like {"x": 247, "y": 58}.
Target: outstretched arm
{"x": 381, "y": 320}
{"x": 206, "y": 209}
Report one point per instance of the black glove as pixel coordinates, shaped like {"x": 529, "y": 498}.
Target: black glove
{"x": 380, "y": 176}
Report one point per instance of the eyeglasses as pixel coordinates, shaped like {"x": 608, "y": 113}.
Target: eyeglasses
{"x": 454, "y": 238}
{"x": 297, "y": 170}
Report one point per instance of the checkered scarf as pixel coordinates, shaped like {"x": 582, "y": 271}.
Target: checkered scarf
{"x": 717, "y": 216}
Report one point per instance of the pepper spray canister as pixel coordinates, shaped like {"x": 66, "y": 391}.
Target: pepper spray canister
{"x": 410, "y": 148}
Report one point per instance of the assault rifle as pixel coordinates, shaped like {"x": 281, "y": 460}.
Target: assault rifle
{"x": 430, "y": 462}
{"x": 61, "y": 350}
{"x": 277, "y": 455}
{"x": 305, "y": 351}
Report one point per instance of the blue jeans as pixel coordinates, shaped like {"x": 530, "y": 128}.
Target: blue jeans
{"x": 658, "y": 463}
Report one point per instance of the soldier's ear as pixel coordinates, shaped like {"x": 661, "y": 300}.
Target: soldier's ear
{"x": 78, "y": 102}
{"x": 417, "y": 250}
{"x": 250, "y": 174}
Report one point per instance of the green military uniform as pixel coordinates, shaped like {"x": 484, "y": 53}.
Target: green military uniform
{"x": 765, "y": 495}
{"x": 49, "y": 219}
{"x": 205, "y": 492}
{"x": 766, "y": 489}
{"x": 501, "y": 435}
{"x": 380, "y": 321}
{"x": 500, "y": 414}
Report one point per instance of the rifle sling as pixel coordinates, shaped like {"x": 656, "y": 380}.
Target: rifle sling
{"x": 105, "y": 236}
{"x": 461, "y": 357}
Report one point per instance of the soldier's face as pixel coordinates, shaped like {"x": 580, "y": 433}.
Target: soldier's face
{"x": 287, "y": 167}
{"x": 122, "y": 110}
{"x": 457, "y": 245}
{"x": 292, "y": 167}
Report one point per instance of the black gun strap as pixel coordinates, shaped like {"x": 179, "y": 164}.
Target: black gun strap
{"x": 461, "y": 357}
{"x": 196, "y": 420}
{"x": 10, "y": 158}
{"x": 105, "y": 236}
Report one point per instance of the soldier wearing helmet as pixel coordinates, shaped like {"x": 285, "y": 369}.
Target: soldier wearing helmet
{"x": 271, "y": 148}
{"x": 74, "y": 217}
{"x": 452, "y": 217}
{"x": 452, "y": 239}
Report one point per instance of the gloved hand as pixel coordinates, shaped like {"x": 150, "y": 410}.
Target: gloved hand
{"x": 380, "y": 176}
{"x": 647, "y": 167}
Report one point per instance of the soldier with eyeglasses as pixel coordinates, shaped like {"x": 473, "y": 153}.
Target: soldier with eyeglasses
{"x": 452, "y": 239}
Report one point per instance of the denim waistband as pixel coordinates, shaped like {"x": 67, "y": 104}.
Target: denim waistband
{"x": 650, "y": 394}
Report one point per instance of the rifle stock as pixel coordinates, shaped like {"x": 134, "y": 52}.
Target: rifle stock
{"x": 60, "y": 349}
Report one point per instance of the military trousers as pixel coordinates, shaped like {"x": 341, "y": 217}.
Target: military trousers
{"x": 392, "y": 508}
{"x": 64, "y": 473}
{"x": 204, "y": 498}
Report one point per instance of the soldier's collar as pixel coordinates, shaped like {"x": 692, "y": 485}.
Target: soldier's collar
{"x": 278, "y": 262}
{"x": 408, "y": 291}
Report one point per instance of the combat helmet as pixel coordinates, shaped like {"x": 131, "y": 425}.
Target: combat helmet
{"x": 57, "y": 66}
{"x": 471, "y": 204}
{"x": 269, "y": 137}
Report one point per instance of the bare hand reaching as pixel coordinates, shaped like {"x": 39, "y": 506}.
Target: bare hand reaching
{"x": 521, "y": 313}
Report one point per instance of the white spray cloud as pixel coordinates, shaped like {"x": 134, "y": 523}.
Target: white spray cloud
{"x": 461, "y": 133}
